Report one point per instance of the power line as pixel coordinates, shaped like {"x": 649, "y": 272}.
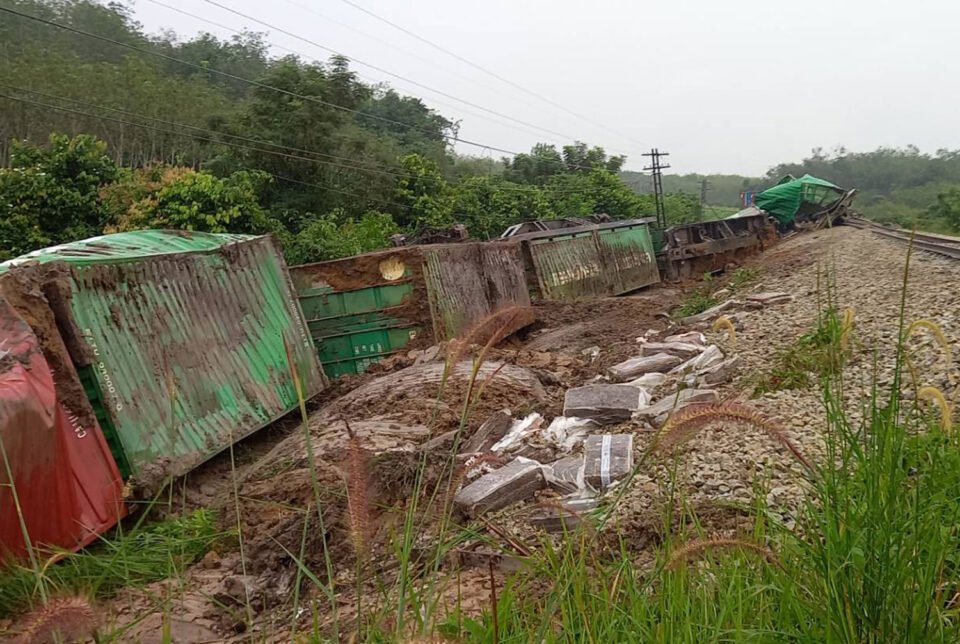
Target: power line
{"x": 156, "y": 129}
{"x": 379, "y": 69}
{"x": 486, "y": 71}
{"x": 381, "y": 171}
{"x": 530, "y": 128}
{"x": 207, "y": 69}
{"x": 224, "y": 74}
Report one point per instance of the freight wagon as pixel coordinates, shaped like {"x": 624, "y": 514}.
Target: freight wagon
{"x": 365, "y": 308}
{"x": 589, "y": 260}
{"x": 174, "y": 344}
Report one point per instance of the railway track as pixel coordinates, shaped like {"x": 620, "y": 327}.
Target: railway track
{"x": 943, "y": 245}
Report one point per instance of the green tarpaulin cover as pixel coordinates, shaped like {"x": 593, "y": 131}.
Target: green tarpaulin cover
{"x": 784, "y": 200}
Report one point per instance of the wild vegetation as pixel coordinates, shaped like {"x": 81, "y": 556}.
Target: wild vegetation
{"x": 126, "y": 130}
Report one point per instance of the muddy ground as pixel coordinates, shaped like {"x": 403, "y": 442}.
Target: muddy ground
{"x": 392, "y": 410}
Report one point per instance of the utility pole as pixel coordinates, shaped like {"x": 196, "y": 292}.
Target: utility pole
{"x": 704, "y": 188}
{"x": 656, "y": 168}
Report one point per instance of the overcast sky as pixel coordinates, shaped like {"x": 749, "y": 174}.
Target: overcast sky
{"x": 732, "y": 86}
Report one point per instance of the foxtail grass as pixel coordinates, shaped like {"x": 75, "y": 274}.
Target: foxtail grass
{"x": 724, "y": 323}
{"x": 696, "y": 548}
{"x": 60, "y": 619}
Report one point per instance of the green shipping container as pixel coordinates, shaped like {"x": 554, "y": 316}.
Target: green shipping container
{"x": 180, "y": 339}
{"x": 596, "y": 260}
{"x": 363, "y": 309}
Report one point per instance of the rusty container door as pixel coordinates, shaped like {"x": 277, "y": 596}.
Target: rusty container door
{"x": 592, "y": 261}
{"x": 569, "y": 267}
{"x": 476, "y": 285}
{"x": 53, "y": 456}
{"x": 181, "y": 341}
{"x": 628, "y": 251}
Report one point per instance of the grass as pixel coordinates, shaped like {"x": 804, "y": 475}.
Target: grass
{"x": 132, "y": 559}
{"x": 809, "y": 357}
{"x": 705, "y": 296}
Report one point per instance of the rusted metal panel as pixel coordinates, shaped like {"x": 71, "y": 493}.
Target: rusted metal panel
{"x": 468, "y": 283}
{"x": 592, "y": 261}
{"x": 693, "y": 249}
{"x": 629, "y": 251}
{"x": 183, "y": 353}
{"x": 364, "y": 308}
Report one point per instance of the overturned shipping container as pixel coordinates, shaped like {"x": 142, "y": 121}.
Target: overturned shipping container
{"x": 59, "y": 484}
{"x": 362, "y": 309}
{"x": 179, "y": 339}
{"x": 689, "y": 250}
{"x": 595, "y": 260}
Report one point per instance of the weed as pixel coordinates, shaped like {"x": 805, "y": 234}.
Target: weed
{"x": 816, "y": 354}
{"x": 704, "y": 296}
{"x": 697, "y": 547}
{"x": 61, "y": 619}
{"x": 692, "y": 419}
{"x": 131, "y": 559}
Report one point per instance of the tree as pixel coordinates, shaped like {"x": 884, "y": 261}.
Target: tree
{"x": 948, "y": 207}
{"x": 422, "y": 196}
{"x": 331, "y": 236}
{"x": 50, "y": 195}
{"x": 487, "y": 206}
{"x": 187, "y": 200}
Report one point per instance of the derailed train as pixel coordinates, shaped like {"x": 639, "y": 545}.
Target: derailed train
{"x": 129, "y": 359}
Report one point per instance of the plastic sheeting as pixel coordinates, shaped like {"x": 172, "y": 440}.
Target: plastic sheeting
{"x": 64, "y": 477}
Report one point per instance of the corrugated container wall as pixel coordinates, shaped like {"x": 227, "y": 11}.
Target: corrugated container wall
{"x": 180, "y": 340}
{"x": 58, "y": 479}
{"x": 362, "y": 309}
{"x": 590, "y": 261}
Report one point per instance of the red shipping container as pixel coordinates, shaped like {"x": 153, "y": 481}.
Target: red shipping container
{"x": 67, "y": 483}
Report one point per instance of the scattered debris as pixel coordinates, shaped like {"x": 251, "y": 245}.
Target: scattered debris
{"x": 491, "y": 431}
{"x": 604, "y": 403}
{"x": 566, "y": 433}
{"x": 769, "y": 299}
{"x": 514, "y": 482}
{"x": 710, "y": 356}
{"x": 682, "y": 398}
{"x": 607, "y": 458}
{"x": 566, "y": 475}
{"x": 635, "y": 367}
{"x": 720, "y": 373}
{"x": 649, "y": 380}
{"x": 679, "y": 349}
{"x": 519, "y": 432}
{"x": 692, "y": 337}
{"x": 565, "y": 516}
{"x": 710, "y": 313}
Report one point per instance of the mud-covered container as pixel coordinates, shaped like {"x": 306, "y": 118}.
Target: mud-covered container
{"x": 590, "y": 261}
{"x": 59, "y": 484}
{"x": 690, "y": 250}
{"x": 179, "y": 339}
{"x": 365, "y": 308}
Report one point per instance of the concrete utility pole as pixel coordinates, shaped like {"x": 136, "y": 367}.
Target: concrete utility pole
{"x": 704, "y": 188}
{"x": 656, "y": 168}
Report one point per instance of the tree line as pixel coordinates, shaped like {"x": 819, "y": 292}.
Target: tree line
{"x": 131, "y": 130}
